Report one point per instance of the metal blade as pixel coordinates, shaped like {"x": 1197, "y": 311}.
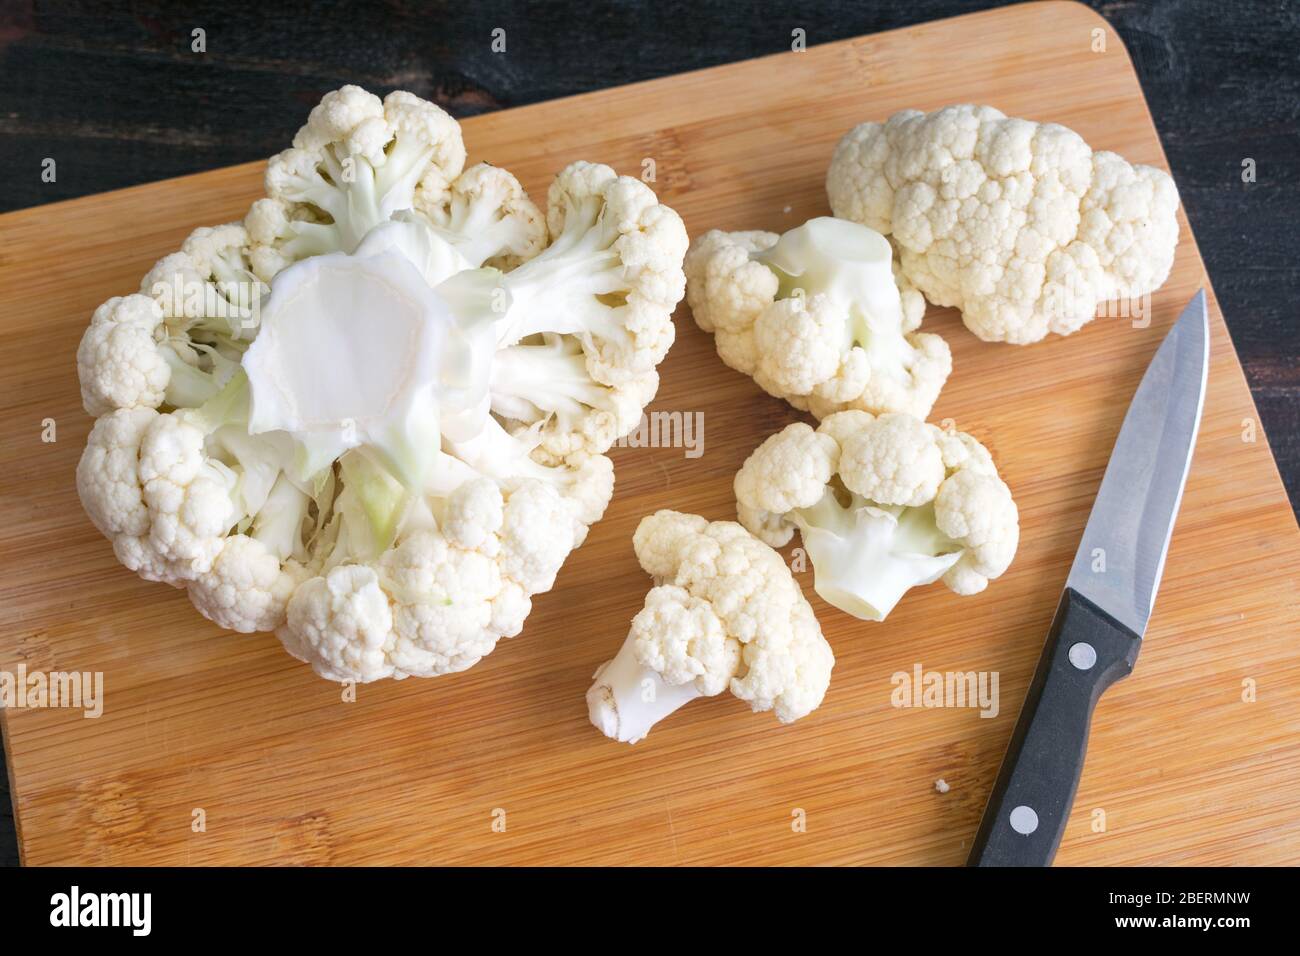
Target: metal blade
{"x": 1122, "y": 555}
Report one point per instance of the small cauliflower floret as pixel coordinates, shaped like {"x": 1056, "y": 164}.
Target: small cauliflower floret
{"x": 248, "y": 587}
{"x": 585, "y": 482}
{"x": 358, "y": 161}
{"x": 1018, "y": 224}
{"x": 177, "y": 341}
{"x": 108, "y": 482}
{"x": 883, "y": 504}
{"x": 549, "y": 384}
{"x": 442, "y": 604}
{"x": 210, "y": 301}
{"x": 817, "y": 317}
{"x": 611, "y": 276}
{"x": 201, "y": 475}
{"x": 487, "y": 217}
{"x": 473, "y": 514}
{"x": 537, "y": 534}
{"x": 725, "y": 614}
{"x": 256, "y": 572}
{"x": 190, "y": 496}
{"x": 120, "y": 361}
{"x": 342, "y": 625}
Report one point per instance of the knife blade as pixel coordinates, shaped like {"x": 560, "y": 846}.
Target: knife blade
{"x": 1102, "y": 616}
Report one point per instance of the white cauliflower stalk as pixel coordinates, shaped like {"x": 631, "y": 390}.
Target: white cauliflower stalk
{"x": 816, "y": 317}
{"x": 373, "y": 417}
{"x": 725, "y": 614}
{"x": 1018, "y": 224}
{"x": 883, "y": 504}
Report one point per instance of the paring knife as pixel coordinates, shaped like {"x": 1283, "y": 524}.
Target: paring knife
{"x": 1099, "y": 623}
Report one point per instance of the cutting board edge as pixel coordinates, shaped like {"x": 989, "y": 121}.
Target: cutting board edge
{"x": 240, "y": 170}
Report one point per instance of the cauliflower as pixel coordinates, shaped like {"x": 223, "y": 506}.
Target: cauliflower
{"x": 725, "y": 614}
{"x": 1018, "y": 224}
{"x": 357, "y": 162}
{"x": 816, "y": 317}
{"x": 373, "y": 417}
{"x": 883, "y": 504}
{"x": 487, "y": 217}
{"x": 181, "y": 337}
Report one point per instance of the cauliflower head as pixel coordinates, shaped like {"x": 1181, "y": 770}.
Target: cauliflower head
{"x": 818, "y": 316}
{"x": 725, "y": 614}
{"x": 883, "y": 504}
{"x": 1018, "y": 224}
{"x": 372, "y": 417}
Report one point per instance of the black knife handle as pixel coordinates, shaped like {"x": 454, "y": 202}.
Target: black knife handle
{"x": 1034, "y": 792}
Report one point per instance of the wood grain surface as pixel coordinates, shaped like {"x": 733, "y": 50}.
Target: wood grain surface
{"x": 1181, "y": 767}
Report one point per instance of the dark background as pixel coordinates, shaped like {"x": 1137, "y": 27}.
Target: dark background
{"x": 115, "y": 94}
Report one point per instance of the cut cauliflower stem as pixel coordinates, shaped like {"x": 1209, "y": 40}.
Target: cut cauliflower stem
{"x": 725, "y": 614}
{"x": 373, "y": 417}
{"x": 883, "y": 505}
{"x": 1018, "y": 224}
{"x": 815, "y": 317}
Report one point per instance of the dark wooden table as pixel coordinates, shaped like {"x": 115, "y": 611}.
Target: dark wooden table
{"x": 121, "y": 96}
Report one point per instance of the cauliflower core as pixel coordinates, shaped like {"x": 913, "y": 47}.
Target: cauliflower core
{"x": 725, "y": 614}
{"x": 1018, "y": 224}
{"x": 883, "y": 504}
{"x": 373, "y": 416}
{"x": 815, "y": 317}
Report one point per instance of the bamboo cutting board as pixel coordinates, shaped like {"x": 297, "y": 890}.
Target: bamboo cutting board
{"x": 1194, "y": 759}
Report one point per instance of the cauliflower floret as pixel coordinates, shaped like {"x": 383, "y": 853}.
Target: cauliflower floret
{"x": 442, "y": 605}
{"x": 341, "y": 624}
{"x": 550, "y": 384}
{"x": 1018, "y": 224}
{"x": 792, "y": 473}
{"x": 189, "y": 495}
{"x": 248, "y": 587}
{"x": 176, "y": 342}
{"x": 883, "y": 504}
{"x": 591, "y": 315}
{"x": 725, "y": 614}
{"x": 487, "y": 217}
{"x": 975, "y": 508}
{"x": 120, "y": 362}
{"x": 108, "y": 482}
{"x": 356, "y": 163}
{"x": 817, "y": 317}
{"x": 108, "y": 475}
{"x": 536, "y": 535}
{"x": 893, "y": 461}
{"x": 585, "y": 482}
{"x": 474, "y": 514}
{"x": 786, "y": 675}
{"x": 680, "y": 638}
